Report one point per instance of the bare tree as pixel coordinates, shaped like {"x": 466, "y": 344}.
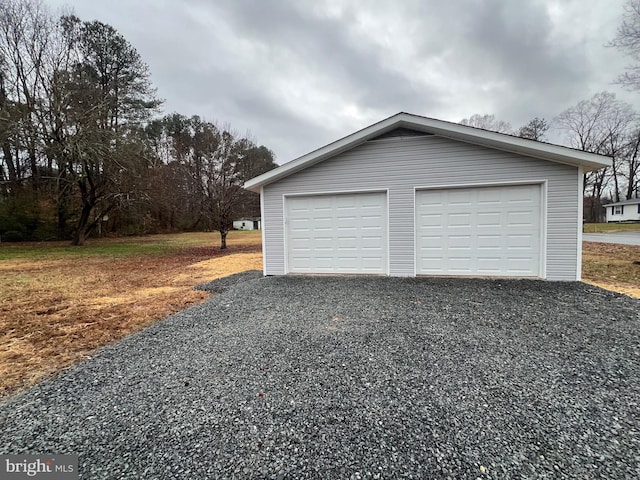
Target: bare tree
{"x": 535, "y": 129}
{"x": 207, "y": 166}
{"x": 226, "y": 158}
{"x": 24, "y": 42}
{"x": 77, "y": 139}
{"x": 108, "y": 97}
{"x": 600, "y": 125}
{"x": 628, "y": 41}
{"x": 66, "y": 87}
{"x": 630, "y": 171}
{"x": 487, "y": 122}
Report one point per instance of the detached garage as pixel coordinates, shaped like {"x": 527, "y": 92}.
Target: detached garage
{"x": 412, "y": 195}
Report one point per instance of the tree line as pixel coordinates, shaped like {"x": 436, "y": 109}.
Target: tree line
{"x": 82, "y": 147}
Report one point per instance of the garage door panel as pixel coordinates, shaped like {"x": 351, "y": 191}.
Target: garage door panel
{"x": 459, "y": 244}
{"x": 345, "y": 221}
{"x": 489, "y": 264}
{"x": 368, "y": 221}
{"x": 371, "y": 243}
{"x": 370, "y": 262}
{"x": 519, "y": 197}
{"x": 520, "y": 218}
{"x": 458, "y": 196}
{"x": 432, "y": 198}
{"x": 479, "y": 231}
{"x": 488, "y": 197}
{"x": 489, "y": 219}
{"x": 344, "y": 230}
{"x": 460, "y": 265}
{"x": 519, "y": 264}
{"x": 300, "y": 248}
{"x": 322, "y": 244}
{"x": 344, "y": 233}
{"x": 431, "y": 220}
{"x": 491, "y": 242}
{"x": 429, "y": 242}
{"x": 459, "y": 219}
{"x": 523, "y": 241}
{"x": 433, "y": 265}
{"x": 300, "y": 223}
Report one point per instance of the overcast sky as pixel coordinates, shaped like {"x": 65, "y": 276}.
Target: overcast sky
{"x": 300, "y": 74}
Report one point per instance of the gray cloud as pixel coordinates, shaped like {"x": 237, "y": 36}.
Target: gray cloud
{"x": 299, "y": 74}
{"x": 324, "y": 47}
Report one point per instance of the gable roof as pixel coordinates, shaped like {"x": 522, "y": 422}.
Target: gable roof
{"x": 629, "y": 201}
{"x": 454, "y": 131}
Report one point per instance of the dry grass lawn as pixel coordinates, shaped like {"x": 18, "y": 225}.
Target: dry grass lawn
{"x": 59, "y": 303}
{"x": 611, "y": 266}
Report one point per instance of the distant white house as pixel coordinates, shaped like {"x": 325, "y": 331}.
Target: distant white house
{"x": 247, "y": 224}
{"x": 624, "y": 211}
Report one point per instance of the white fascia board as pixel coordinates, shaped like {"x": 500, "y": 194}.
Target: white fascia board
{"x": 454, "y": 131}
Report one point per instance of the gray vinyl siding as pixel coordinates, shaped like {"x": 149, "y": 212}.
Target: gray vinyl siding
{"x": 400, "y": 164}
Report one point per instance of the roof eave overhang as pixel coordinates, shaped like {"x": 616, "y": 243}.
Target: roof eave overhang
{"x": 317, "y": 156}
{"x": 632, "y": 201}
{"x": 520, "y": 146}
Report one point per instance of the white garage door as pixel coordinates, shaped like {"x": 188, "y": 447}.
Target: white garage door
{"x": 492, "y": 231}
{"x": 344, "y": 233}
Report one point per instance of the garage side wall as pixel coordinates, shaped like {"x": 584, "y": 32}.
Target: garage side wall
{"x": 399, "y": 165}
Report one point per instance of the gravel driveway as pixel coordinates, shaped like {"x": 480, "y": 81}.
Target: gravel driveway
{"x": 355, "y": 378}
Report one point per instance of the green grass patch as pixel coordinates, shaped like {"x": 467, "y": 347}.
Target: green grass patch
{"x": 111, "y": 247}
{"x": 610, "y": 227}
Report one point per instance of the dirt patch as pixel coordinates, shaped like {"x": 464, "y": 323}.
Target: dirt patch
{"x": 58, "y": 310}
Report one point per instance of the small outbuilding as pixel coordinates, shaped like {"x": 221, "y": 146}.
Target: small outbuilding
{"x": 412, "y": 195}
{"x": 624, "y": 211}
{"x": 247, "y": 224}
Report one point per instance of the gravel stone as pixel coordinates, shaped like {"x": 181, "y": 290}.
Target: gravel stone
{"x": 223, "y": 284}
{"x": 355, "y": 377}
